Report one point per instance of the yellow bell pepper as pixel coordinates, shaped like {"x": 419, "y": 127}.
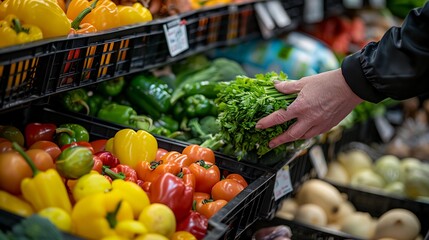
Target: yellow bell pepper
{"x": 45, "y": 189}
{"x": 132, "y": 147}
{"x": 133, "y": 194}
{"x": 12, "y": 32}
{"x": 133, "y": 14}
{"x": 104, "y": 16}
{"x": 47, "y": 15}
{"x": 104, "y": 214}
{"x": 14, "y": 204}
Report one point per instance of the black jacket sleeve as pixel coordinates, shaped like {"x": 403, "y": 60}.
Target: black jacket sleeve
{"x": 397, "y": 66}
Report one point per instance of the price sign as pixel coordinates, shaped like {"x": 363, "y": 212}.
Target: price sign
{"x": 283, "y": 184}
{"x": 313, "y": 11}
{"x": 319, "y": 162}
{"x": 177, "y": 38}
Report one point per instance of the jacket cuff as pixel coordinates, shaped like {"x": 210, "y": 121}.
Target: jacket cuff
{"x": 358, "y": 83}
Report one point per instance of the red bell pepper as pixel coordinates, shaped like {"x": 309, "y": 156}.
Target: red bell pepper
{"x": 39, "y": 131}
{"x": 121, "y": 171}
{"x": 195, "y": 223}
{"x": 79, "y": 143}
{"x": 170, "y": 190}
{"x": 206, "y": 175}
{"x": 98, "y": 164}
{"x": 108, "y": 159}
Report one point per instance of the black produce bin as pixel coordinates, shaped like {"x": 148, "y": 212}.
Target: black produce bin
{"x": 237, "y": 215}
{"x": 375, "y": 204}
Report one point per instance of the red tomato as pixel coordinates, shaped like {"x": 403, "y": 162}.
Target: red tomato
{"x": 226, "y": 189}
{"x": 237, "y": 177}
{"x": 48, "y": 146}
{"x": 196, "y": 152}
{"x": 206, "y": 175}
{"x": 99, "y": 145}
{"x": 5, "y": 146}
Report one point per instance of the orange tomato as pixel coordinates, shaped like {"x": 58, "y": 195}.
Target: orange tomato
{"x": 196, "y": 152}
{"x": 237, "y": 177}
{"x": 160, "y": 153}
{"x": 199, "y": 197}
{"x": 50, "y": 147}
{"x": 211, "y": 208}
{"x": 13, "y": 168}
{"x": 226, "y": 189}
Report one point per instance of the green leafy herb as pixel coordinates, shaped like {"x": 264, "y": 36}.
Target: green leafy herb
{"x": 242, "y": 103}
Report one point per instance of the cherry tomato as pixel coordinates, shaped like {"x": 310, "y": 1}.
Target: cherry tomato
{"x": 237, "y": 177}
{"x": 211, "y": 208}
{"x": 50, "y": 147}
{"x": 161, "y": 152}
{"x": 226, "y": 189}
{"x": 99, "y": 145}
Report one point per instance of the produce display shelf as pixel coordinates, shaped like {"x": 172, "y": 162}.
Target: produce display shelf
{"x": 364, "y": 201}
{"x": 42, "y": 68}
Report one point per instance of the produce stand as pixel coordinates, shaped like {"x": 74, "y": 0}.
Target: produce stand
{"x": 31, "y": 75}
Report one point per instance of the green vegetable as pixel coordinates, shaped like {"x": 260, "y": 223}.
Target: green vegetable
{"x": 71, "y": 132}
{"x": 75, "y": 100}
{"x": 220, "y": 70}
{"x": 197, "y": 106}
{"x": 74, "y": 162}
{"x": 35, "y": 227}
{"x": 12, "y": 134}
{"x": 95, "y": 103}
{"x": 241, "y": 103}
{"x": 124, "y": 115}
{"x": 150, "y": 94}
{"x": 202, "y": 128}
{"x": 112, "y": 87}
{"x": 189, "y": 66}
{"x": 167, "y": 122}
{"x": 207, "y": 88}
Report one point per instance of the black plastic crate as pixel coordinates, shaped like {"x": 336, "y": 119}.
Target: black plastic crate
{"x": 375, "y": 204}
{"x": 237, "y": 215}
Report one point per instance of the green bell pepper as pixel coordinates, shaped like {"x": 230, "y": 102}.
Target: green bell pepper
{"x": 149, "y": 94}
{"x": 167, "y": 122}
{"x": 124, "y": 115}
{"x": 95, "y": 103}
{"x": 71, "y": 132}
{"x": 207, "y": 88}
{"x": 112, "y": 87}
{"x": 198, "y": 106}
{"x": 75, "y": 100}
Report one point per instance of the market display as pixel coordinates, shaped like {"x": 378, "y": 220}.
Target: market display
{"x": 139, "y": 143}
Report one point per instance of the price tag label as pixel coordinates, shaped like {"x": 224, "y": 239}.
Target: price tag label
{"x": 176, "y": 35}
{"x": 283, "y": 184}
{"x": 384, "y": 128}
{"x": 313, "y": 11}
{"x": 377, "y": 3}
{"x": 353, "y": 3}
{"x": 319, "y": 162}
{"x": 278, "y": 13}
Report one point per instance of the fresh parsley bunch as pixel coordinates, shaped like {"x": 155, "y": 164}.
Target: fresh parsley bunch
{"x": 241, "y": 103}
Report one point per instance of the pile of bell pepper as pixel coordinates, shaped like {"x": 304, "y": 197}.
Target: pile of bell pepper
{"x": 125, "y": 186}
{"x": 24, "y": 21}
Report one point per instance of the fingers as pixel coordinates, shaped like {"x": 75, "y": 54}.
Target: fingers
{"x": 276, "y": 118}
{"x": 288, "y": 87}
{"x": 295, "y": 131}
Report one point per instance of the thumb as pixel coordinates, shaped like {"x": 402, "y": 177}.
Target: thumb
{"x": 288, "y": 87}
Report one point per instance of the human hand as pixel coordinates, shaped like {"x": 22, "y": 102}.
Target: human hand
{"x": 323, "y": 101}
